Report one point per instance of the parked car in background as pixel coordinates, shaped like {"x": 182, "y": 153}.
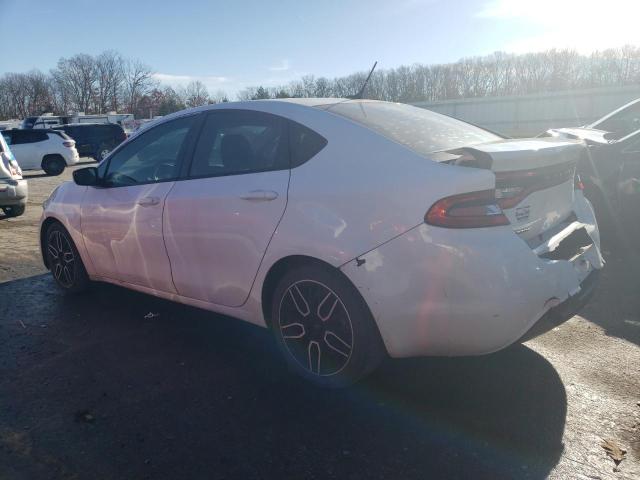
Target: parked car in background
{"x": 352, "y": 229}
{"x": 49, "y": 150}
{"x": 13, "y": 188}
{"x": 48, "y": 120}
{"x": 611, "y": 170}
{"x": 94, "y": 140}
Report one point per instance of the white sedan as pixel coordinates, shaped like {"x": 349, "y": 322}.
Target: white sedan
{"x": 353, "y": 229}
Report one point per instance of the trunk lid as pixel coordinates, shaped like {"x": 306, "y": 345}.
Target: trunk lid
{"x": 534, "y": 180}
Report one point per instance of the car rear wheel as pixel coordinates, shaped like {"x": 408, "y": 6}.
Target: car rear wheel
{"x": 324, "y": 328}
{"x": 53, "y": 164}
{"x": 103, "y": 151}
{"x": 14, "y": 210}
{"x": 64, "y": 260}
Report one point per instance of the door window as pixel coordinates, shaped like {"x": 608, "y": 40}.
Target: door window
{"x": 152, "y": 157}
{"x": 27, "y": 136}
{"x": 239, "y": 142}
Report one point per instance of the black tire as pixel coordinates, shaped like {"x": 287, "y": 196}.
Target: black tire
{"x": 53, "y": 164}
{"x": 324, "y": 328}
{"x": 102, "y": 152}
{"x": 14, "y": 210}
{"x": 64, "y": 260}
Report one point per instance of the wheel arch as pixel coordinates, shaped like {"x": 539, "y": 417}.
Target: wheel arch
{"x": 283, "y": 265}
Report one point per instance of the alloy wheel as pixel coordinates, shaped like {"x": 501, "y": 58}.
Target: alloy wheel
{"x": 316, "y": 328}
{"x": 62, "y": 259}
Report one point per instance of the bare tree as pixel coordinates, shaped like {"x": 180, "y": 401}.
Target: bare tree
{"x": 196, "y": 94}
{"x": 77, "y": 77}
{"x": 109, "y": 79}
{"x": 138, "y": 81}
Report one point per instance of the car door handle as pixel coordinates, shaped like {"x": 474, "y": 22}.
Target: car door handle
{"x": 260, "y": 195}
{"x": 148, "y": 201}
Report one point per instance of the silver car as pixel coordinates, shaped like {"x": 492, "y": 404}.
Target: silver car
{"x": 13, "y": 188}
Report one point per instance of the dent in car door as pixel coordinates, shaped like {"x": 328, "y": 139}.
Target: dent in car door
{"x": 122, "y": 228}
{"x": 122, "y": 221}
{"x": 217, "y": 227}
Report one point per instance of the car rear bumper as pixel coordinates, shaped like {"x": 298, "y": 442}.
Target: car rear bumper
{"x": 72, "y": 157}
{"x": 13, "y": 192}
{"x": 452, "y": 292}
{"x": 561, "y": 313}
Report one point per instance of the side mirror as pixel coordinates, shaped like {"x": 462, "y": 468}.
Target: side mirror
{"x": 86, "y": 177}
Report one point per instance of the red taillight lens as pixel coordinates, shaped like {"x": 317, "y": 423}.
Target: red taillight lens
{"x": 468, "y": 210}
{"x": 68, "y": 143}
{"x": 578, "y": 183}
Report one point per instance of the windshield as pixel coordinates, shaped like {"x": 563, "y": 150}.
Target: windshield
{"x": 621, "y": 123}
{"x": 421, "y": 130}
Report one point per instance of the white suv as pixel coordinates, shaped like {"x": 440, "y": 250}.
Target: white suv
{"x": 49, "y": 150}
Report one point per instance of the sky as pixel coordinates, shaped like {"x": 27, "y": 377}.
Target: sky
{"x": 233, "y": 44}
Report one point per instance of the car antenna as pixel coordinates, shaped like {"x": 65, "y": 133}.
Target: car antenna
{"x": 358, "y": 96}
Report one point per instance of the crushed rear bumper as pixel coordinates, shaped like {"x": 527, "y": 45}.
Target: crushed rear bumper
{"x": 561, "y": 313}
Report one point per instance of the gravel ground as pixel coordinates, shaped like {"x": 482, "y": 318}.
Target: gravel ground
{"x": 93, "y": 387}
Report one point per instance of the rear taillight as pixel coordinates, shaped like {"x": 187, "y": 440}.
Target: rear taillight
{"x": 468, "y": 210}
{"x": 578, "y": 183}
{"x": 68, "y": 143}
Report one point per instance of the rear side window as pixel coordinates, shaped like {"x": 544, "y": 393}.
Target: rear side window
{"x": 27, "y": 136}
{"x": 236, "y": 142}
{"x": 304, "y": 143}
{"x": 421, "y": 130}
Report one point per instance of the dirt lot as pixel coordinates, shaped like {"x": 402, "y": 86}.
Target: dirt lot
{"x": 93, "y": 387}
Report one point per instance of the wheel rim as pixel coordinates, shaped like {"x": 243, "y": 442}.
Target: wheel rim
{"x": 103, "y": 154}
{"x": 316, "y": 328}
{"x": 61, "y": 258}
{"x": 55, "y": 166}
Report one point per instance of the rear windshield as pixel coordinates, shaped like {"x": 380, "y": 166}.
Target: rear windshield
{"x": 421, "y": 130}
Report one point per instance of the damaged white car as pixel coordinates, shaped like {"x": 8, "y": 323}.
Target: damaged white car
{"x": 352, "y": 229}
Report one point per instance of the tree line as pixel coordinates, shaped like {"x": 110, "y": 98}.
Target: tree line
{"x": 110, "y": 82}
{"x": 97, "y": 84}
{"x": 498, "y": 74}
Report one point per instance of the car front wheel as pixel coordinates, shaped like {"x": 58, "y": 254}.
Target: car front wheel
{"x": 64, "y": 260}
{"x": 324, "y": 328}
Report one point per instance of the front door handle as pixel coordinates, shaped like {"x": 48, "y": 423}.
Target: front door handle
{"x": 260, "y": 195}
{"x": 148, "y": 201}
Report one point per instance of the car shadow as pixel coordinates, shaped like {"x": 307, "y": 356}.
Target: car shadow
{"x": 143, "y": 387}
{"x": 616, "y": 304}
{"x": 34, "y": 175}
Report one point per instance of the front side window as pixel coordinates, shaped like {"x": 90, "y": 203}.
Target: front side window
{"x": 154, "y": 156}
{"x": 239, "y": 142}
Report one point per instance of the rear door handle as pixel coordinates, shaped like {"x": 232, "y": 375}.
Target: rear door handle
{"x": 260, "y": 195}
{"x": 148, "y": 201}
